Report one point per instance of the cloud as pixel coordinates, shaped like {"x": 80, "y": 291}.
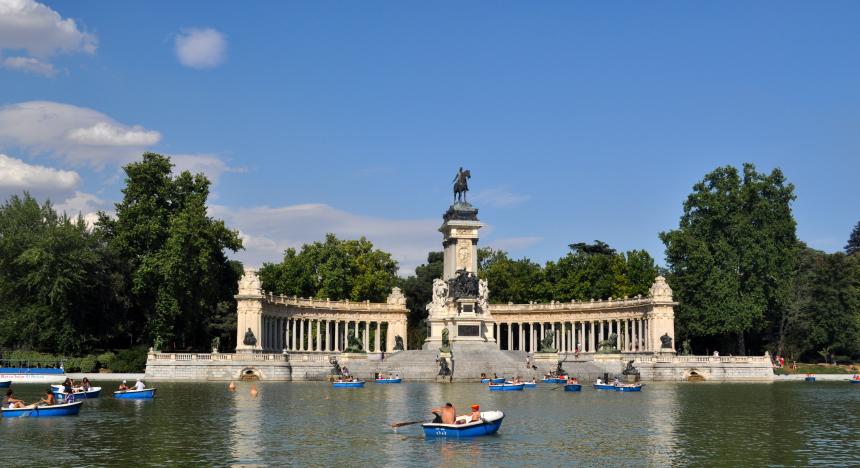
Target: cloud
{"x": 17, "y": 176}
{"x": 77, "y": 134}
{"x": 201, "y": 48}
{"x": 514, "y": 243}
{"x": 30, "y": 65}
{"x": 208, "y": 164}
{"x": 268, "y": 231}
{"x": 500, "y": 197}
{"x": 109, "y": 134}
{"x": 27, "y": 25}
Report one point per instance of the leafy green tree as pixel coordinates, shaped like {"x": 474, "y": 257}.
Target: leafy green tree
{"x": 853, "y": 245}
{"x": 334, "y": 269}
{"x": 510, "y": 280}
{"x": 172, "y": 254}
{"x": 418, "y": 289}
{"x": 733, "y": 256}
{"x": 54, "y": 280}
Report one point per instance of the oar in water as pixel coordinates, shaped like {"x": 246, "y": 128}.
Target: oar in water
{"x": 401, "y": 424}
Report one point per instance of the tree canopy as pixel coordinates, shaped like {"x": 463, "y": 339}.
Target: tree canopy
{"x": 335, "y": 269}
{"x": 853, "y": 245}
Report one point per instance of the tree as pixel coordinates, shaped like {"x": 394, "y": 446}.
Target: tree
{"x": 418, "y": 289}
{"x": 853, "y": 245}
{"x": 510, "y": 280}
{"x": 334, "y": 269}
{"x": 172, "y": 255}
{"x": 54, "y": 280}
{"x": 732, "y": 258}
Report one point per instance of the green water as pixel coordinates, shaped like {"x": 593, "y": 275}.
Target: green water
{"x": 314, "y": 424}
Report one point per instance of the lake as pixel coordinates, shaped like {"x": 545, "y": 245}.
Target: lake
{"x": 310, "y": 423}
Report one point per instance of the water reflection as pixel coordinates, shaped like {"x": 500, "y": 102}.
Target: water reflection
{"x": 245, "y": 423}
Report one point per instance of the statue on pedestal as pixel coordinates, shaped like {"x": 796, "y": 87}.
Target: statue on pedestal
{"x": 609, "y": 345}
{"x": 444, "y": 370}
{"x": 250, "y": 339}
{"x": 398, "y": 343}
{"x": 440, "y": 296}
{"x": 686, "y": 349}
{"x": 335, "y": 366}
{"x": 461, "y": 185}
{"x": 630, "y": 370}
{"x": 353, "y": 344}
{"x": 483, "y": 296}
{"x": 665, "y": 341}
{"x": 157, "y": 343}
{"x": 464, "y": 284}
{"x": 216, "y": 343}
{"x": 546, "y": 343}
{"x": 446, "y": 343}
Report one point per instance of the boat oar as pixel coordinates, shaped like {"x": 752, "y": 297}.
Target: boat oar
{"x": 401, "y": 424}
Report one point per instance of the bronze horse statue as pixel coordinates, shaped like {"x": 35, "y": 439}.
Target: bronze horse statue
{"x": 461, "y": 185}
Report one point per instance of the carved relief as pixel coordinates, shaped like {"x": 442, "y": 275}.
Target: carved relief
{"x": 464, "y": 254}
{"x": 249, "y": 285}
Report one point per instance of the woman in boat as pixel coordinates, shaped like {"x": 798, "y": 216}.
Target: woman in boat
{"x": 483, "y": 375}
{"x": 9, "y": 401}
{"x": 615, "y": 381}
{"x": 49, "y": 398}
{"x": 68, "y": 386}
{"x": 85, "y": 384}
{"x": 123, "y": 386}
{"x": 572, "y": 380}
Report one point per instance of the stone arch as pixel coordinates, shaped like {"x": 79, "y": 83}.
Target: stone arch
{"x": 250, "y": 374}
{"x": 694, "y": 375}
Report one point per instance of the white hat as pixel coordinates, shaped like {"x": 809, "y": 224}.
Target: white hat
{"x": 123, "y": 381}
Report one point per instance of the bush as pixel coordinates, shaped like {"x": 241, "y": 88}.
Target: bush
{"x": 105, "y": 360}
{"x": 130, "y": 360}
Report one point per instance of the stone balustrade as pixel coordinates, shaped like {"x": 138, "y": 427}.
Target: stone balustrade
{"x": 158, "y": 356}
{"x": 326, "y": 304}
{"x": 573, "y": 305}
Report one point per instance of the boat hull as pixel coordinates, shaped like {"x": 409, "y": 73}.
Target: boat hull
{"x": 855, "y": 381}
{"x": 572, "y": 387}
{"x": 634, "y": 388}
{"x": 67, "y": 409}
{"x": 604, "y": 387}
{"x": 497, "y": 381}
{"x": 492, "y": 421}
{"x": 530, "y": 385}
{"x": 809, "y": 379}
{"x": 5, "y": 383}
{"x": 348, "y": 384}
{"x": 89, "y": 394}
{"x": 145, "y": 394}
{"x": 506, "y": 387}
{"x": 387, "y": 381}
{"x": 554, "y": 381}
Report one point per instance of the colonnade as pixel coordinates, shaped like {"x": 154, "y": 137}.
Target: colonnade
{"x": 571, "y": 336}
{"x": 300, "y": 334}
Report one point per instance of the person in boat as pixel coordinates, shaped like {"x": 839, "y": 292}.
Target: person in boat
{"x": 476, "y": 413}
{"x": 68, "y": 386}
{"x": 9, "y": 401}
{"x": 48, "y": 398}
{"x": 85, "y": 384}
{"x": 139, "y": 385}
{"x": 615, "y": 381}
{"x": 483, "y": 375}
{"x": 517, "y": 380}
{"x": 444, "y": 414}
{"x": 572, "y": 380}
{"x": 123, "y": 386}
{"x": 381, "y": 376}
{"x": 599, "y": 381}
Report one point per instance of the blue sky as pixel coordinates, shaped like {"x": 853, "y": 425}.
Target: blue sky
{"x": 579, "y": 121}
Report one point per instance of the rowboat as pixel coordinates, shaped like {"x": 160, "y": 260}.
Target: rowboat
{"x": 604, "y": 387}
{"x": 490, "y": 423}
{"x": 809, "y": 378}
{"x": 32, "y": 374}
{"x": 485, "y": 380}
{"x": 145, "y": 394}
{"x": 497, "y": 380}
{"x": 554, "y": 380}
{"x": 506, "y": 387}
{"x": 79, "y": 394}
{"x": 572, "y": 387}
{"x": 35, "y": 411}
{"x": 387, "y": 381}
{"x": 628, "y": 388}
{"x": 5, "y": 383}
{"x": 531, "y": 384}
{"x": 352, "y": 384}
{"x": 854, "y": 380}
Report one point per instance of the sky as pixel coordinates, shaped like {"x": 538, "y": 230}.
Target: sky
{"x": 578, "y": 120}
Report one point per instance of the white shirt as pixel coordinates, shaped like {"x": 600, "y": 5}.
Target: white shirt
{"x": 139, "y": 385}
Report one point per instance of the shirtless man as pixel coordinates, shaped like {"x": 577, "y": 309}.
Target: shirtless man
{"x": 445, "y": 414}
{"x": 49, "y": 397}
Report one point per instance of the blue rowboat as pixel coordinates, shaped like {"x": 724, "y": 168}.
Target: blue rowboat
{"x": 490, "y": 423}
{"x": 353, "y": 384}
{"x": 387, "y": 381}
{"x": 34, "y": 411}
{"x": 506, "y": 387}
{"x": 604, "y": 387}
{"x": 485, "y": 380}
{"x": 531, "y": 384}
{"x": 628, "y": 388}
{"x": 5, "y": 383}
{"x": 553, "y": 380}
{"x": 572, "y": 387}
{"x": 855, "y": 381}
{"x": 809, "y": 379}
{"x": 145, "y": 394}
{"x": 499, "y": 380}
{"x": 93, "y": 392}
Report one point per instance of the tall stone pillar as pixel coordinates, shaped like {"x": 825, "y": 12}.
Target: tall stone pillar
{"x": 249, "y": 312}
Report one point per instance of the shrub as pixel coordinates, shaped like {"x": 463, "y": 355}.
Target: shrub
{"x": 130, "y": 360}
{"x": 105, "y": 359}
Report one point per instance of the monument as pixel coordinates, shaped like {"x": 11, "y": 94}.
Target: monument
{"x": 459, "y": 308}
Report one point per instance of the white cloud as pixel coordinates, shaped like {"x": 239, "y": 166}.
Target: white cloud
{"x": 208, "y": 164}
{"x": 77, "y": 134}
{"x": 500, "y": 197}
{"x": 27, "y": 25}
{"x": 16, "y": 176}
{"x": 267, "y": 231}
{"x": 109, "y": 134}
{"x": 201, "y": 48}
{"x": 30, "y": 65}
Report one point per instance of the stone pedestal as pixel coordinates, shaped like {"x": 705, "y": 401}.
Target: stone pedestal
{"x": 448, "y": 358}
{"x": 346, "y": 357}
{"x": 546, "y": 358}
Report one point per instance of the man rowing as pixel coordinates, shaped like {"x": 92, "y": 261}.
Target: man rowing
{"x": 444, "y": 414}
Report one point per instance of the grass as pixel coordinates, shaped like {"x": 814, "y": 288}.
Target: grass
{"x": 803, "y": 368}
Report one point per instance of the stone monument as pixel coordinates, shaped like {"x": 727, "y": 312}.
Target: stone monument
{"x": 460, "y": 302}
{"x": 249, "y": 313}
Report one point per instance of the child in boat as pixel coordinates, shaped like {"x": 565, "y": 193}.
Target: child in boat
{"x": 476, "y": 413}
{"x": 9, "y": 401}
{"x": 122, "y": 386}
{"x": 49, "y": 397}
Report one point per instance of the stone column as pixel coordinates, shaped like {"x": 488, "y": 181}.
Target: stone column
{"x": 366, "y": 335}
